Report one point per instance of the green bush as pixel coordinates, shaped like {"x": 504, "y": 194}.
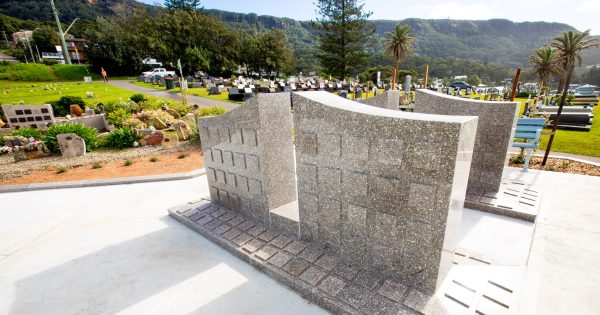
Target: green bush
{"x": 26, "y": 72}
{"x": 138, "y": 98}
{"x": 118, "y": 117}
{"x": 112, "y": 106}
{"x": 27, "y": 132}
{"x": 120, "y": 139}
{"x": 49, "y": 62}
{"x": 71, "y": 72}
{"x": 211, "y": 111}
{"x": 90, "y": 135}
{"x": 525, "y": 94}
{"x": 62, "y": 107}
{"x": 150, "y": 104}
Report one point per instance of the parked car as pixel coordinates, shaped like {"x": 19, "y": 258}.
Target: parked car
{"x": 159, "y": 71}
{"x": 460, "y": 85}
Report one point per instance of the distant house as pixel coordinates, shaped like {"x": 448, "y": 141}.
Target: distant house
{"x": 76, "y": 48}
{"x": 21, "y": 36}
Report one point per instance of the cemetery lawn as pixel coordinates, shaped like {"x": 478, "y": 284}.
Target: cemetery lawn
{"x": 201, "y": 92}
{"x": 37, "y": 93}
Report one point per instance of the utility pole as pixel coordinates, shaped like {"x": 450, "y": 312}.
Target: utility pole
{"x": 30, "y": 50}
{"x": 5, "y": 38}
{"x": 61, "y": 34}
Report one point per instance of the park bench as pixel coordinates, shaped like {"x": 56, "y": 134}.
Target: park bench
{"x": 529, "y": 129}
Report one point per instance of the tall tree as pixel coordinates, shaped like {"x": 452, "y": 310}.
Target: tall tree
{"x": 569, "y": 44}
{"x": 398, "y": 45}
{"x": 178, "y": 5}
{"x": 546, "y": 62}
{"x": 344, "y": 35}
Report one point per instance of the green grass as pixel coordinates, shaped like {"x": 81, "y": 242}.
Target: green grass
{"x": 202, "y": 92}
{"x": 43, "y": 73}
{"x": 37, "y": 93}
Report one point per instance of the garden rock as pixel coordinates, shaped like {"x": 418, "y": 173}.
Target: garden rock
{"x": 71, "y": 145}
{"x": 183, "y": 131}
{"x": 173, "y": 113}
{"x": 170, "y": 141}
{"x": 30, "y": 151}
{"x": 76, "y": 110}
{"x": 156, "y": 138}
{"x": 157, "y": 123}
{"x": 15, "y": 141}
{"x": 2, "y": 123}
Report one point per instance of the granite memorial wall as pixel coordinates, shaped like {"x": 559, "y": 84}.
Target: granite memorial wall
{"x": 249, "y": 156}
{"x": 382, "y": 187}
{"x": 497, "y": 123}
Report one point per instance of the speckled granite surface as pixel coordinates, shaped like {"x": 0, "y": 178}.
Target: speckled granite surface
{"x": 380, "y": 187}
{"x": 249, "y": 156}
{"x": 388, "y": 100}
{"x": 494, "y": 132}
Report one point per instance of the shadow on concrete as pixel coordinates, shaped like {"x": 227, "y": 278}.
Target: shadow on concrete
{"x": 116, "y": 277}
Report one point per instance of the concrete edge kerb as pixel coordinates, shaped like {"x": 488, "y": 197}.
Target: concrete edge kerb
{"x": 103, "y": 182}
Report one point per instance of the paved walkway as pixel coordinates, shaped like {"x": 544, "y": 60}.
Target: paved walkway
{"x": 113, "y": 250}
{"x": 202, "y": 101}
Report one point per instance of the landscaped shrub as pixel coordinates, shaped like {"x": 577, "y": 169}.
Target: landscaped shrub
{"x": 150, "y": 104}
{"x": 138, "y": 97}
{"x": 26, "y": 72}
{"x": 120, "y": 139}
{"x": 118, "y": 117}
{"x": 179, "y": 107}
{"x": 134, "y": 123}
{"x": 112, "y": 106}
{"x": 526, "y": 94}
{"x": 211, "y": 111}
{"x": 147, "y": 115}
{"x": 27, "y": 132}
{"x": 90, "y": 135}
{"x": 49, "y": 62}
{"x": 62, "y": 107}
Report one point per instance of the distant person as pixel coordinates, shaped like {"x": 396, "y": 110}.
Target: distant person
{"x": 103, "y": 72}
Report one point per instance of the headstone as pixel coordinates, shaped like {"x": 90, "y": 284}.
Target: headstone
{"x": 214, "y": 91}
{"x": 407, "y": 82}
{"x": 71, "y": 145}
{"x": 389, "y": 100}
{"x": 343, "y": 93}
{"x": 382, "y": 188}
{"x": 287, "y": 89}
{"x": 170, "y": 141}
{"x": 34, "y": 116}
{"x": 497, "y": 121}
{"x": 249, "y": 157}
{"x": 89, "y": 112}
{"x": 15, "y": 141}
{"x": 97, "y": 121}
{"x": 358, "y": 94}
{"x": 87, "y": 79}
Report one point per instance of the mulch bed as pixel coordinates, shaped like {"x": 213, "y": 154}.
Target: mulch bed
{"x": 561, "y": 165}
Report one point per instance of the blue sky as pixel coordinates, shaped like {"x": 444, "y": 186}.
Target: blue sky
{"x": 582, "y": 14}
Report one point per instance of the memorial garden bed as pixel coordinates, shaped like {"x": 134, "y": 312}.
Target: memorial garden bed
{"x": 560, "y": 165}
{"x": 101, "y": 164}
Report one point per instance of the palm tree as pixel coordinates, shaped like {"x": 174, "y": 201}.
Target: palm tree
{"x": 398, "y": 46}
{"x": 547, "y": 61}
{"x": 569, "y": 45}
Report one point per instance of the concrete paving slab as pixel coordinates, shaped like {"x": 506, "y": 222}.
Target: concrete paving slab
{"x": 113, "y": 249}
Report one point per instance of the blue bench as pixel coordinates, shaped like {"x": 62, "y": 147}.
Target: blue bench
{"x": 529, "y": 129}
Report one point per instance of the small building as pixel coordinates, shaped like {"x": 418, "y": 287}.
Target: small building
{"x": 76, "y": 48}
{"x": 21, "y": 36}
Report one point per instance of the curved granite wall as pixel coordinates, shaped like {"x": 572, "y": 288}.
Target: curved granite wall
{"x": 382, "y": 187}
{"x": 249, "y": 156}
{"x": 388, "y": 100}
{"x": 497, "y": 122}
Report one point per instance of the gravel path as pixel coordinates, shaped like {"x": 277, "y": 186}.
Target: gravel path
{"x": 9, "y": 169}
